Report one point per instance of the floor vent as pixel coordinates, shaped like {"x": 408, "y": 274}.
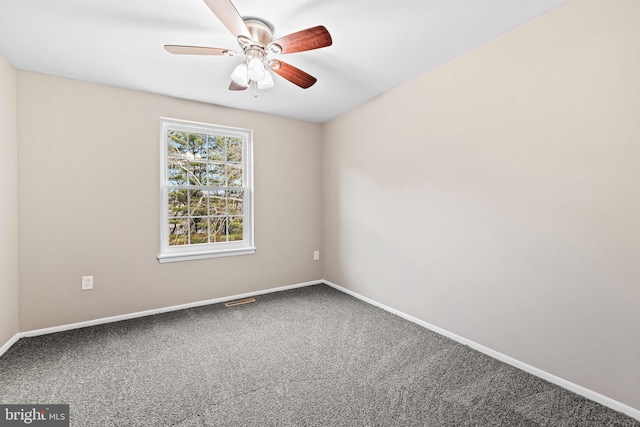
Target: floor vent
{"x": 239, "y": 302}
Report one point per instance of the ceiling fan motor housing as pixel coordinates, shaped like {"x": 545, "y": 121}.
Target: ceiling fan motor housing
{"x": 260, "y": 30}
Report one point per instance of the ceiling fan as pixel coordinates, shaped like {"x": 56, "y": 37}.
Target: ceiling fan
{"x": 255, "y": 37}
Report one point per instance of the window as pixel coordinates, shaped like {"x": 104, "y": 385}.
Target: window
{"x": 206, "y": 188}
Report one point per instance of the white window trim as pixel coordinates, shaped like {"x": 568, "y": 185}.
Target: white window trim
{"x": 206, "y": 250}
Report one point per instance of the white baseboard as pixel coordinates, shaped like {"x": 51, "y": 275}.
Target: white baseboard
{"x": 578, "y": 389}
{"x": 128, "y": 316}
{"x": 6, "y": 346}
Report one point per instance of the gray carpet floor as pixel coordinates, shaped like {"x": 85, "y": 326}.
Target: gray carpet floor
{"x": 306, "y": 357}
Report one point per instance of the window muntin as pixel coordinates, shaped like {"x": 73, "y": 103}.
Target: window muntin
{"x": 206, "y": 191}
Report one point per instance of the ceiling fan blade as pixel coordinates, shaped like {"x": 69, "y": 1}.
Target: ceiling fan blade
{"x": 197, "y": 50}
{"x": 293, "y": 74}
{"x": 309, "y": 39}
{"x": 229, "y": 16}
{"x": 235, "y": 86}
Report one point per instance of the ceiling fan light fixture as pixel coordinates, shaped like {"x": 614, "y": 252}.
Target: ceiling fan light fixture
{"x": 240, "y": 75}
{"x": 256, "y": 69}
{"x": 266, "y": 82}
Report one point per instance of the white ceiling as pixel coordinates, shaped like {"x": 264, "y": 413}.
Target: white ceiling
{"x": 377, "y": 45}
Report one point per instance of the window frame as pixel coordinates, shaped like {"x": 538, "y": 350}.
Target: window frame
{"x": 196, "y": 251}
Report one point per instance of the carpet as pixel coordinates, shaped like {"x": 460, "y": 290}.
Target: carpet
{"x": 310, "y": 356}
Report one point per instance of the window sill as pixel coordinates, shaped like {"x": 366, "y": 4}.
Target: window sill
{"x": 192, "y": 256}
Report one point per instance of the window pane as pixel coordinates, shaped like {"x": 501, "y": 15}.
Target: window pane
{"x": 177, "y": 203}
{"x": 198, "y": 174}
{"x": 199, "y": 230}
{"x": 216, "y": 148}
{"x": 235, "y": 201}
{"x": 197, "y": 146}
{"x": 177, "y": 145}
{"x": 218, "y": 229}
{"x": 234, "y": 149}
{"x": 197, "y": 203}
{"x": 234, "y": 174}
{"x": 216, "y": 175}
{"x": 217, "y": 203}
{"x": 235, "y": 228}
{"x": 178, "y": 232}
{"x": 177, "y": 172}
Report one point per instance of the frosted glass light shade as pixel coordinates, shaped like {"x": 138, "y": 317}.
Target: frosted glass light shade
{"x": 240, "y": 75}
{"x": 266, "y": 82}
{"x": 256, "y": 69}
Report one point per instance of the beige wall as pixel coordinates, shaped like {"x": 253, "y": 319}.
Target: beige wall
{"x": 89, "y": 203}
{"x": 498, "y": 197}
{"x": 9, "y": 284}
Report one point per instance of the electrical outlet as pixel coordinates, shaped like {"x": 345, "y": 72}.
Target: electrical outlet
{"x": 87, "y": 283}
{"x": 316, "y": 255}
